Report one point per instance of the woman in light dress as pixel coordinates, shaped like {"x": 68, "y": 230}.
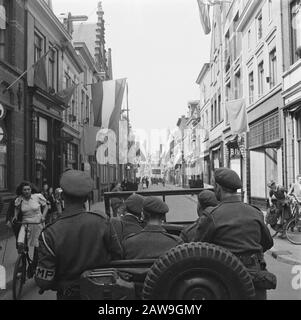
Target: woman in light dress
{"x": 30, "y": 207}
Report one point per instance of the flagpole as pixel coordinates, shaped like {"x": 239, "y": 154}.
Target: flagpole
{"x": 23, "y": 74}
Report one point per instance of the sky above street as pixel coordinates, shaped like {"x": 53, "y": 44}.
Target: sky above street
{"x": 159, "y": 45}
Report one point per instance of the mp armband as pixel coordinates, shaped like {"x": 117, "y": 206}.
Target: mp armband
{"x": 45, "y": 274}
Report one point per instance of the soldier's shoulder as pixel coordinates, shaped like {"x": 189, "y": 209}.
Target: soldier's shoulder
{"x": 172, "y": 237}
{"x": 132, "y": 236}
{"x": 210, "y": 211}
{"x": 99, "y": 214}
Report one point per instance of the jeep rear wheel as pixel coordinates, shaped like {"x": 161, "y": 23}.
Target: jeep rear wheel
{"x": 198, "y": 271}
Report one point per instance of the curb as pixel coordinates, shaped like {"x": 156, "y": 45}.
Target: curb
{"x": 285, "y": 258}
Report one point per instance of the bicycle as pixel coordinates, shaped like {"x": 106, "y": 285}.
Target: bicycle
{"x": 24, "y": 268}
{"x": 293, "y": 226}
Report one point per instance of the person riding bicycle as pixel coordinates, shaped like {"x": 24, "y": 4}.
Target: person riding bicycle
{"x": 31, "y": 208}
{"x": 279, "y": 201}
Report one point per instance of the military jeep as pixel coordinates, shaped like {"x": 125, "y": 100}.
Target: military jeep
{"x": 193, "y": 271}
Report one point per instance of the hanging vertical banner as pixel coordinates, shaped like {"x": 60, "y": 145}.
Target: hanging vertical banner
{"x": 107, "y": 101}
{"x": 204, "y": 9}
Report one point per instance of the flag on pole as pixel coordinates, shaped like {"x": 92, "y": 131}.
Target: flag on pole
{"x": 107, "y": 100}
{"x": 66, "y": 94}
{"x": 40, "y": 75}
{"x": 204, "y": 9}
{"x": 238, "y": 117}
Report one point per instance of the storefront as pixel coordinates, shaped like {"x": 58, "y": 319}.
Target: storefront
{"x": 265, "y": 157}
{"x": 216, "y": 158}
{"x": 47, "y": 149}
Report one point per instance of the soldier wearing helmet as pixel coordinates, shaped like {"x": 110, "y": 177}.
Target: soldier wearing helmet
{"x": 76, "y": 242}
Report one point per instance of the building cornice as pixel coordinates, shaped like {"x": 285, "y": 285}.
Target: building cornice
{"x": 203, "y": 72}
{"x": 41, "y": 5}
{"x": 247, "y": 14}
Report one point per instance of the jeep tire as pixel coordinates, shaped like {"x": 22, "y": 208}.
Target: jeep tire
{"x": 198, "y": 271}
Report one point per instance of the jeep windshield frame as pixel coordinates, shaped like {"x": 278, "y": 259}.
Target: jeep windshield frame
{"x": 160, "y": 193}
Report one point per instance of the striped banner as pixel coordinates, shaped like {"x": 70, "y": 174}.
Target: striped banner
{"x": 107, "y": 100}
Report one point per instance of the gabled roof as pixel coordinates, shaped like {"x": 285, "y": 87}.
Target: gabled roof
{"x": 86, "y": 32}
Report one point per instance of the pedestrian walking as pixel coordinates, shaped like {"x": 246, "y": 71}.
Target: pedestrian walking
{"x": 152, "y": 241}
{"x": 76, "y": 242}
{"x": 240, "y": 228}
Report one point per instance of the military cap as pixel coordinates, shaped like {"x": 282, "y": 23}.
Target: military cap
{"x": 271, "y": 183}
{"x": 207, "y": 198}
{"x": 134, "y": 204}
{"x": 76, "y": 183}
{"x": 227, "y": 178}
{"x": 155, "y": 205}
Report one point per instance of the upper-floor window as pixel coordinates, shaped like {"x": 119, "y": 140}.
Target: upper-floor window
{"x": 251, "y": 88}
{"x": 249, "y": 39}
{"x": 273, "y": 68}
{"x": 219, "y": 108}
{"x": 4, "y": 28}
{"x": 38, "y": 46}
{"x": 296, "y": 29}
{"x": 270, "y": 9}
{"x": 52, "y": 69}
{"x": 87, "y": 109}
{"x": 237, "y": 85}
{"x": 259, "y": 27}
{"x": 260, "y": 79}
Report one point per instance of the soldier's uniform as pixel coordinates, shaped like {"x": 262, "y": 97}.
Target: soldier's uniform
{"x": 129, "y": 223}
{"x": 153, "y": 241}
{"x": 206, "y": 203}
{"x": 236, "y": 226}
{"x": 76, "y": 242}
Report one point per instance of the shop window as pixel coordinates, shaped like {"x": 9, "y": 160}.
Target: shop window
{"x": 264, "y": 132}
{"x": 43, "y": 129}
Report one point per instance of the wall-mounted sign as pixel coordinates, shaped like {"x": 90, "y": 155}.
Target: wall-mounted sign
{"x": 2, "y": 112}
